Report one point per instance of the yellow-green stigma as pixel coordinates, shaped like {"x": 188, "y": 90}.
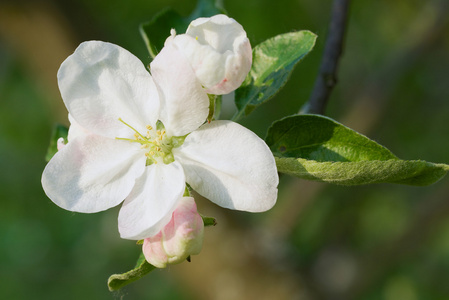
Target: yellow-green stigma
{"x": 157, "y": 144}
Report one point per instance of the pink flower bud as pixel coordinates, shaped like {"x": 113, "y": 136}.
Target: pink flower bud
{"x": 219, "y": 52}
{"x": 181, "y": 237}
{"x": 60, "y": 143}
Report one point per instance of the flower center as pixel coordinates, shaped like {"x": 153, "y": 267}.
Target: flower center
{"x": 157, "y": 144}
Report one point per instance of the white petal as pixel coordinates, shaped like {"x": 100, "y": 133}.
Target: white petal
{"x": 102, "y": 82}
{"x": 151, "y": 203}
{"x": 230, "y": 165}
{"x": 184, "y": 103}
{"x": 219, "y": 52}
{"x": 92, "y": 173}
{"x": 76, "y": 129}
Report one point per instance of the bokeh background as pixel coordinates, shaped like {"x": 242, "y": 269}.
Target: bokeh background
{"x": 319, "y": 242}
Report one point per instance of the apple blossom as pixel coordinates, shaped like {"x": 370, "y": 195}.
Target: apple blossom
{"x": 218, "y": 50}
{"x": 180, "y": 238}
{"x": 139, "y": 138}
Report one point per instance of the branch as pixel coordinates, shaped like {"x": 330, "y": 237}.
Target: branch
{"x": 333, "y": 49}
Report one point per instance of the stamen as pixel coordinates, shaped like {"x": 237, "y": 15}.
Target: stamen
{"x": 129, "y": 140}
{"x": 120, "y": 119}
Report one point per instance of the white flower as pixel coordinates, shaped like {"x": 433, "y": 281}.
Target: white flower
{"x": 180, "y": 238}
{"x": 218, "y": 50}
{"x": 116, "y": 151}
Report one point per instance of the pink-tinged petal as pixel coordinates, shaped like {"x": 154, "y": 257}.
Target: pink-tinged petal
{"x": 219, "y": 52}
{"x": 150, "y": 205}
{"x": 184, "y": 103}
{"x": 102, "y": 82}
{"x": 230, "y": 165}
{"x": 92, "y": 173}
{"x": 181, "y": 237}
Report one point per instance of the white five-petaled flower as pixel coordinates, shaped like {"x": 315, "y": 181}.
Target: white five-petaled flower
{"x": 218, "y": 51}
{"x": 139, "y": 138}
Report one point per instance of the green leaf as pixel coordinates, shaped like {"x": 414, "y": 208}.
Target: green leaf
{"x": 273, "y": 62}
{"x": 59, "y": 131}
{"x": 411, "y": 172}
{"x": 320, "y": 138}
{"x": 117, "y": 281}
{"x": 318, "y": 148}
{"x": 156, "y": 31}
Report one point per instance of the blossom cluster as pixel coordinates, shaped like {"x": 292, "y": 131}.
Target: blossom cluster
{"x": 140, "y": 136}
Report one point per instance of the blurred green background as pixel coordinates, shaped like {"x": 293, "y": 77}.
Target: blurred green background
{"x": 319, "y": 242}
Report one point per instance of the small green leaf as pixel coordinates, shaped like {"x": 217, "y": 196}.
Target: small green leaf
{"x": 209, "y": 221}
{"x": 156, "y": 31}
{"x": 117, "y": 281}
{"x": 59, "y": 131}
{"x": 318, "y": 148}
{"x": 273, "y": 62}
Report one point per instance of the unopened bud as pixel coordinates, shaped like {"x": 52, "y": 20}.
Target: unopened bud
{"x": 219, "y": 52}
{"x": 60, "y": 144}
{"x": 180, "y": 238}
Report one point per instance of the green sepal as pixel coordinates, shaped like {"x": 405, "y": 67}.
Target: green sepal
{"x": 318, "y": 148}
{"x": 59, "y": 131}
{"x": 273, "y": 62}
{"x": 214, "y": 107}
{"x": 142, "y": 268}
{"x": 209, "y": 221}
{"x": 186, "y": 192}
{"x": 156, "y": 31}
